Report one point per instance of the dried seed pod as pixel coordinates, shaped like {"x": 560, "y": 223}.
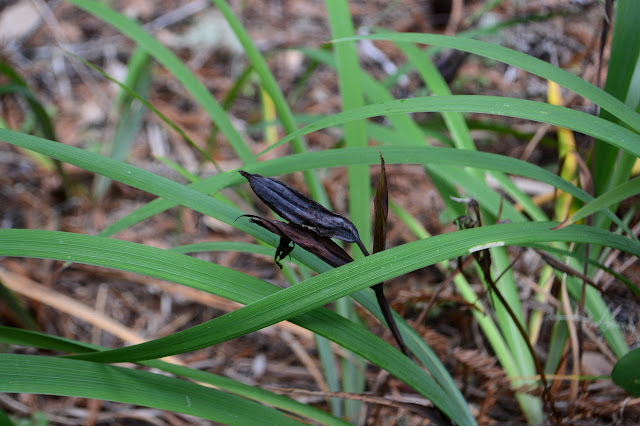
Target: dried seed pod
{"x": 322, "y": 247}
{"x": 285, "y": 245}
{"x": 312, "y": 227}
{"x": 298, "y": 208}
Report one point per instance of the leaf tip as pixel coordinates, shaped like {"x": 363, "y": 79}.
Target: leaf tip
{"x": 564, "y": 224}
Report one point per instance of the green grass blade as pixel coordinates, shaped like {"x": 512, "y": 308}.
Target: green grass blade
{"x": 175, "y": 66}
{"x": 224, "y": 246}
{"x": 16, "y": 308}
{"x": 130, "y": 114}
{"x": 351, "y": 94}
{"x": 600, "y": 315}
{"x": 14, "y": 336}
{"x": 125, "y": 90}
{"x": 510, "y": 107}
{"x": 307, "y": 295}
{"x": 271, "y": 86}
{"x": 509, "y": 290}
{"x": 418, "y": 347}
{"x": 455, "y": 121}
{"x": 20, "y": 86}
{"x": 139, "y": 179}
{"x": 138, "y": 67}
{"x": 295, "y": 300}
{"x": 328, "y": 362}
{"x": 227, "y": 283}
{"x": 610, "y": 198}
{"x": 193, "y": 197}
{"x": 184, "y": 195}
{"x": 623, "y": 63}
{"x": 178, "y": 169}
{"x": 517, "y": 347}
{"x": 56, "y": 376}
{"x": 5, "y": 420}
{"x": 523, "y": 61}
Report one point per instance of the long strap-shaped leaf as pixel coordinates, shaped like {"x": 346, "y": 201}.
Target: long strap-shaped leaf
{"x": 270, "y": 85}
{"x": 291, "y": 302}
{"x": 175, "y": 66}
{"x": 523, "y": 61}
{"x": 339, "y": 282}
{"x": 178, "y": 194}
{"x": 613, "y": 196}
{"x": 227, "y": 283}
{"x": 68, "y": 377}
{"x": 15, "y": 336}
{"x": 511, "y": 107}
{"x": 187, "y": 196}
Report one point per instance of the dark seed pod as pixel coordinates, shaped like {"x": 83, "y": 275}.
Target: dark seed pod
{"x": 298, "y": 208}
{"x": 322, "y": 247}
{"x": 312, "y": 227}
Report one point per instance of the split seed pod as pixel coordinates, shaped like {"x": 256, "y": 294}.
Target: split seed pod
{"x": 312, "y": 227}
{"x": 298, "y": 208}
{"x": 322, "y": 247}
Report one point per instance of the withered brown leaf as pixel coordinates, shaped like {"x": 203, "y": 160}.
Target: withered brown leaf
{"x": 381, "y": 211}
